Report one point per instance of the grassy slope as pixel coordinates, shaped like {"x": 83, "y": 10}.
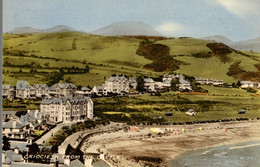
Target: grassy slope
{"x": 182, "y": 49}
{"x": 117, "y": 52}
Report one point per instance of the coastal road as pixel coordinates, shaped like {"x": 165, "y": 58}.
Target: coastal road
{"x": 74, "y": 141}
{"x": 45, "y": 137}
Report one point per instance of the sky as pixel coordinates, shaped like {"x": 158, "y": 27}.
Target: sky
{"x": 235, "y": 19}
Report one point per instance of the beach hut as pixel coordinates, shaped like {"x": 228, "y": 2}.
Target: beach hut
{"x": 191, "y": 112}
{"x": 133, "y": 128}
{"x": 242, "y": 111}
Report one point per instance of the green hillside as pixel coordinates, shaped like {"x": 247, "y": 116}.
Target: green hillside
{"x": 33, "y": 57}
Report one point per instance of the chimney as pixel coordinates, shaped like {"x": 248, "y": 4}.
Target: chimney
{"x": 88, "y": 161}
{"x": 16, "y": 150}
{"x": 3, "y": 157}
{"x": 14, "y": 124}
{"x": 102, "y": 156}
{"x": 36, "y": 114}
{"x": 67, "y": 160}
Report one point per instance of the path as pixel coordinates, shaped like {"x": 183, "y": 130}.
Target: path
{"x": 45, "y": 137}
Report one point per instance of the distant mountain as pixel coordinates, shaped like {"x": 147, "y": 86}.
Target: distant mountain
{"x": 59, "y": 28}
{"x": 218, "y": 38}
{"x": 248, "y": 45}
{"x": 130, "y": 28}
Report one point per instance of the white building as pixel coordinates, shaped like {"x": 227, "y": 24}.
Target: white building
{"x": 209, "y": 81}
{"x": 62, "y": 90}
{"x": 8, "y": 92}
{"x": 99, "y": 91}
{"x": 184, "y": 85}
{"x": 70, "y": 109}
{"x": 23, "y": 90}
{"x": 250, "y": 84}
{"x": 132, "y": 83}
{"x": 149, "y": 84}
{"x": 117, "y": 84}
{"x": 41, "y": 91}
{"x": 83, "y": 92}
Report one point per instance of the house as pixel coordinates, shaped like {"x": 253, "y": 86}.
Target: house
{"x": 15, "y": 130}
{"x": 242, "y": 111}
{"x": 167, "y": 83}
{"x": 184, "y": 85}
{"x": 249, "y": 84}
{"x": 11, "y": 156}
{"x": 7, "y": 115}
{"x": 8, "y": 92}
{"x": 99, "y": 91}
{"x": 210, "y": 81}
{"x": 67, "y": 109}
{"x": 83, "y": 92}
{"x": 62, "y": 90}
{"x": 169, "y": 77}
{"x": 149, "y": 84}
{"x": 158, "y": 85}
{"x": 117, "y": 84}
{"x": 191, "y": 112}
{"x": 34, "y": 118}
{"x": 41, "y": 91}
{"x": 132, "y": 83}
{"x": 23, "y": 90}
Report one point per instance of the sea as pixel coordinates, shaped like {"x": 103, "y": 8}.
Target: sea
{"x": 245, "y": 154}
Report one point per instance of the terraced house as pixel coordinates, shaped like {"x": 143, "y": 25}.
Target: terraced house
{"x": 117, "y": 84}
{"x": 69, "y": 109}
{"x": 250, "y": 84}
{"x": 23, "y": 90}
{"x": 62, "y": 90}
{"x": 41, "y": 91}
{"x": 8, "y": 92}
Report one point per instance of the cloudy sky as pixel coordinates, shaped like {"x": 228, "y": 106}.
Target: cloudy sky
{"x": 235, "y": 19}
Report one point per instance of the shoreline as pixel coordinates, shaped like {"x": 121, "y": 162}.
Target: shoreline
{"x": 145, "y": 147}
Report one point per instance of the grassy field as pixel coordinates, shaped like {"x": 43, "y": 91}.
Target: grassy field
{"x": 221, "y": 103}
{"x": 106, "y": 56}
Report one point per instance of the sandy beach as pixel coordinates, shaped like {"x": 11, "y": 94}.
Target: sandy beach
{"x": 157, "y": 145}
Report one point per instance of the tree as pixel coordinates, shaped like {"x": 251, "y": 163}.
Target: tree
{"x": 74, "y": 47}
{"x": 86, "y": 70}
{"x": 174, "y": 84}
{"x": 238, "y": 84}
{"x": 234, "y": 85}
{"x": 20, "y": 70}
{"x": 34, "y": 148}
{"x": 6, "y": 143}
{"x": 140, "y": 84}
{"x": 47, "y": 64}
{"x": 68, "y": 80}
{"x": 54, "y": 78}
{"x": 84, "y": 62}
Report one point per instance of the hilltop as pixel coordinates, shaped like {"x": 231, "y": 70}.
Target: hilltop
{"x": 127, "y": 28}
{"x": 25, "y": 30}
{"x": 218, "y": 38}
{"x": 36, "y": 55}
{"x": 248, "y": 45}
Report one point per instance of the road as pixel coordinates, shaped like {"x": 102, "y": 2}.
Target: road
{"x": 45, "y": 137}
{"x": 74, "y": 140}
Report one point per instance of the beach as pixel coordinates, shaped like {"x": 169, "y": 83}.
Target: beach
{"x": 157, "y": 145}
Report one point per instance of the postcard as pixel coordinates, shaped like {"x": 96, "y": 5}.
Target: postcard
{"x": 112, "y": 83}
